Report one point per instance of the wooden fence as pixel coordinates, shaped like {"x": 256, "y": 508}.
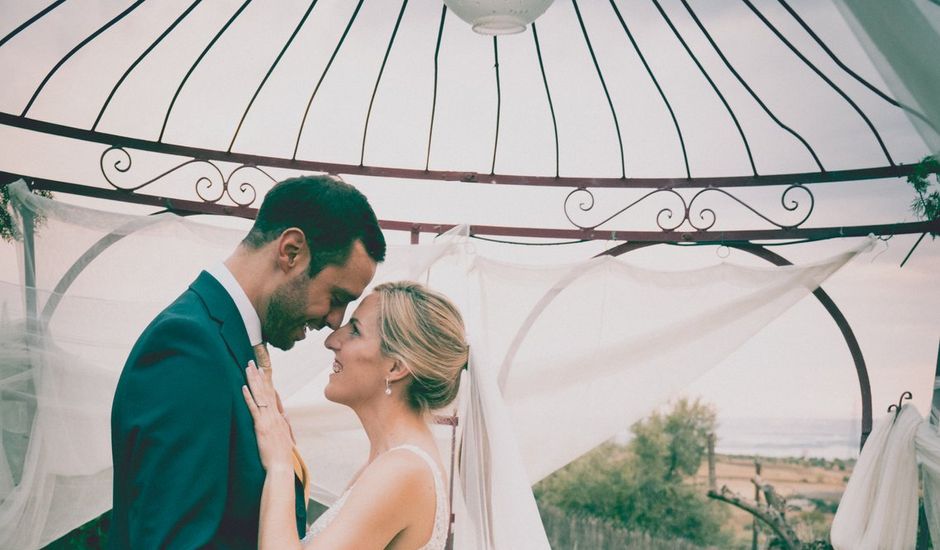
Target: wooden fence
{"x": 584, "y": 533}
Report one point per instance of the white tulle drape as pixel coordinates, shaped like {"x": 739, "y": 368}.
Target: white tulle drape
{"x": 879, "y": 506}
{"x": 562, "y": 358}
{"x": 902, "y": 38}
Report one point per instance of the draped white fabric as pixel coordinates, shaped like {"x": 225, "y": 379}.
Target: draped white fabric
{"x": 562, "y": 358}
{"x": 932, "y": 466}
{"x": 879, "y": 506}
{"x": 901, "y": 38}
{"x": 927, "y": 446}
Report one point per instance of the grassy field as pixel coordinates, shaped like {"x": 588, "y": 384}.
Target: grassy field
{"x": 812, "y": 488}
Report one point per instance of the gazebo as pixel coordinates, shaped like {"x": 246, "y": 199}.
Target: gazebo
{"x": 741, "y": 125}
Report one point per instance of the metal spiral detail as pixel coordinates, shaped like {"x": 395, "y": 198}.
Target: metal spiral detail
{"x": 700, "y": 219}
{"x": 210, "y": 186}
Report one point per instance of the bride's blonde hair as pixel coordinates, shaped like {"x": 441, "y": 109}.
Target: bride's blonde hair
{"x": 423, "y": 329}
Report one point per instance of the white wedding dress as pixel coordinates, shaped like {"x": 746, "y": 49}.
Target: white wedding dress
{"x": 438, "y": 535}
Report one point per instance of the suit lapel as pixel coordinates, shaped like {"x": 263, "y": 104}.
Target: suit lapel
{"x": 223, "y": 311}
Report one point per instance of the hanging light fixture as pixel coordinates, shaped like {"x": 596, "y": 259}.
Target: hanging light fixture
{"x": 493, "y": 17}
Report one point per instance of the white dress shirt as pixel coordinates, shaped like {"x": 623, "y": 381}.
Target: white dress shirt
{"x": 249, "y": 316}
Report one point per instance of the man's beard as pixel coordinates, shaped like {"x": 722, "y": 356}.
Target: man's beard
{"x": 285, "y": 313}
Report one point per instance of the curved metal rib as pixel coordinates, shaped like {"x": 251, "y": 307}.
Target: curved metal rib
{"x": 711, "y": 82}
{"x": 74, "y": 50}
{"x": 613, "y": 112}
{"x": 548, "y": 94}
{"x": 823, "y": 76}
{"x": 844, "y": 327}
{"x": 72, "y": 132}
{"x": 140, "y": 58}
{"x": 388, "y": 50}
{"x": 499, "y": 101}
{"x": 852, "y": 73}
{"x": 326, "y": 69}
{"x": 30, "y": 21}
{"x": 196, "y": 63}
{"x": 77, "y": 267}
{"x": 271, "y": 70}
{"x": 575, "y": 273}
{"x": 649, "y": 71}
{"x": 95, "y": 250}
{"x": 437, "y": 53}
{"x": 748, "y": 88}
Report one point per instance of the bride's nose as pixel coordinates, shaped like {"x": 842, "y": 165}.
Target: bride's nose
{"x": 332, "y": 341}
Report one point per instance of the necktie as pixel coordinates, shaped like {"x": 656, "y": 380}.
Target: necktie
{"x": 300, "y": 468}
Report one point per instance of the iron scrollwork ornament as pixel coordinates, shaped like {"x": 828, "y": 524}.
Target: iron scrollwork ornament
{"x": 701, "y": 219}
{"x": 211, "y": 186}
{"x": 896, "y": 409}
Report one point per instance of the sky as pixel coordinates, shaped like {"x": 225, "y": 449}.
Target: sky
{"x": 798, "y": 367}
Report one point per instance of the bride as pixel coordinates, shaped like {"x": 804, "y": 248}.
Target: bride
{"x": 399, "y": 357}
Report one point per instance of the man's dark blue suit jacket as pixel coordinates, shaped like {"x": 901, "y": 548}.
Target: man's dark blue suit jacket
{"x": 187, "y": 473}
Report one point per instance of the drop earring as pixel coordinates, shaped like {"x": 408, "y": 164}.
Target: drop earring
{"x": 388, "y": 387}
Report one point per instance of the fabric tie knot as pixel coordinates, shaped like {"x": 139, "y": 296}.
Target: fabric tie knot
{"x": 262, "y": 357}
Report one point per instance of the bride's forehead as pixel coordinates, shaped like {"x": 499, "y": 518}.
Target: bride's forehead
{"x": 368, "y": 307}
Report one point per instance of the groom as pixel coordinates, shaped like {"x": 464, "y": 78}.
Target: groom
{"x": 186, "y": 467}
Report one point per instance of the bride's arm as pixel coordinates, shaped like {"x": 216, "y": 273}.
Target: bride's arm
{"x": 277, "y": 526}
{"x": 391, "y": 495}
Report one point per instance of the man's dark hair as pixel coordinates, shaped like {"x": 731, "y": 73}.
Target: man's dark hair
{"x": 331, "y": 213}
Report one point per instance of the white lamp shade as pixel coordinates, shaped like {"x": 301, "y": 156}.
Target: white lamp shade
{"x": 498, "y": 16}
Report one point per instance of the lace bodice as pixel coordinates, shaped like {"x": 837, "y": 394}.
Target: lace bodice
{"x": 438, "y": 535}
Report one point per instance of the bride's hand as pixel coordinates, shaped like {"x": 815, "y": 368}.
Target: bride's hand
{"x": 275, "y": 443}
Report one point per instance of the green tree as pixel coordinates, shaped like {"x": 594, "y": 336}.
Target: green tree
{"x": 8, "y": 231}
{"x": 672, "y": 446}
{"x": 927, "y": 203}
{"x": 645, "y": 485}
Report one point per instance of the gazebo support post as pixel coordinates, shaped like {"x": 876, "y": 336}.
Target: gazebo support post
{"x": 923, "y": 532}
{"x": 29, "y": 277}
{"x": 935, "y": 407}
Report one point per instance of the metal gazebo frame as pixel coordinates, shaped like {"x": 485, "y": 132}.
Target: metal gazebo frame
{"x": 684, "y": 224}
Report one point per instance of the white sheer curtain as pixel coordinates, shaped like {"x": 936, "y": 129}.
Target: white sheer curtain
{"x": 902, "y": 38}
{"x": 879, "y": 506}
{"x": 562, "y": 358}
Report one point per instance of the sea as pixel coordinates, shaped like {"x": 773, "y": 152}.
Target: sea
{"x": 790, "y": 437}
{"x": 785, "y": 437}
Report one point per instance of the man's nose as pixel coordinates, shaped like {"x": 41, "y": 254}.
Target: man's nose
{"x": 334, "y": 319}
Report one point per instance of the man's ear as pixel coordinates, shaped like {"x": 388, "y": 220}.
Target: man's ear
{"x": 292, "y": 249}
{"x": 398, "y": 371}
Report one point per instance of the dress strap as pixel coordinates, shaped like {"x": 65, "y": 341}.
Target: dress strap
{"x": 438, "y": 539}
{"x": 423, "y": 454}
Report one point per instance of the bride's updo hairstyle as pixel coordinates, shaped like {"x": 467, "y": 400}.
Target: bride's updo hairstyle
{"x": 423, "y": 329}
